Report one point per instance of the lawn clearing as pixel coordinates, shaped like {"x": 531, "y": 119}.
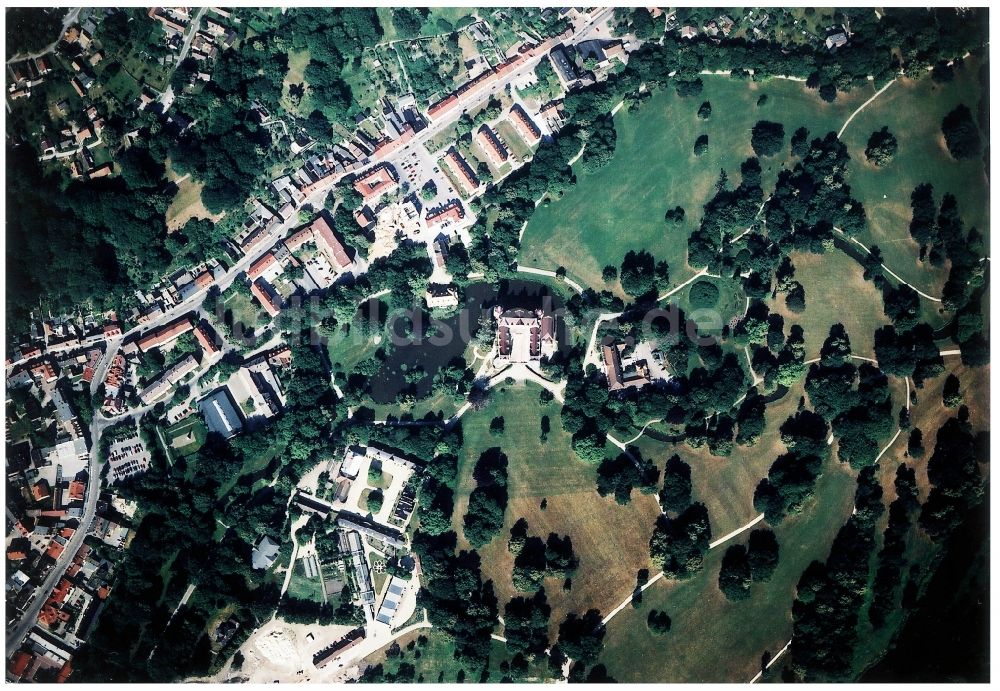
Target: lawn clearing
{"x": 187, "y": 436}
{"x": 244, "y": 310}
{"x": 187, "y": 204}
{"x": 715, "y": 640}
{"x": 611, "y": 541}
{"x": 437, "y": 662}
{"x": 297, "y": 61}
{"x": 305, "y": 588}
{"x": 518, "y": 147}
{"x": 836, "y": 293}
{"x": 346, "y": 351}
{"x": 913, "y": 111}
{"x": 621, "y": 206}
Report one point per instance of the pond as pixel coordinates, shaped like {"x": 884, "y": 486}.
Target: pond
{"x": 451, "y": 336}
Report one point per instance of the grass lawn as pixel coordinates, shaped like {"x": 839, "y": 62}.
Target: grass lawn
{"x": 346, "y": 351}
{"x": 245, "y": 309}
{"x": 385, "y": 479}
{"x": 725, "y": 484}
{"x": 732, "y": 302}
{"x": 437, "y": 403}
{"x": 193, "y": 426}
{"x": 452, "y": 15}
{"x": 520, "y": 148}
{"x": 836, "y": 292}
{"x": 621, "y": 206}
{"x": 712, "y": 639}
{"x": 297, "y": 61}
{"x": 437, "y": 662}
{"x": 303, "y": 587}
{"x": 611, "y": 541}
{"x": 913, "y": 111}
{"x": 187, "y": 204}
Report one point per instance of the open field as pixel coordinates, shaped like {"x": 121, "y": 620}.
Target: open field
{"x": 437, "y": 661}
{"x": 713, "y": 639}
{"x": 186, "y": 204}
{"x": 621, "y": 206}
{"x": 913, "y": 111}
{"x": 725, "y": 484}
{"x": 836, "y": 293}
{"x": 245, "y": 310}
{"x": 297, "y": 61}
{"x": 611, "y": 541}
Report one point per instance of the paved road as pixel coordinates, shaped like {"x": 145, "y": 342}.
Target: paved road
{"x": 470, "y": 101}
{"x": 167, "y": 97}
{"x": 67, "y": 22}
{"x": 30, "y": 616}
{"x": 100, "y": 423}
{"x": 110, "y": 350}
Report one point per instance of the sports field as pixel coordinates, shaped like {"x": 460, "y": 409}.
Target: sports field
{"x": 621, "y": 206}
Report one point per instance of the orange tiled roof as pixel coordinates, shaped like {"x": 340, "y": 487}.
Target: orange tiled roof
{"x": 261, "y": 265}
{"x": 55, "y": 549}
{"x": 165, "y": 334}
{"x": 325, "y": 238}
{"x": 77, "y": 490}
{"x": 19, "y": 663}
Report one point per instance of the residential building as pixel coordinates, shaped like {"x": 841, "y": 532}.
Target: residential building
{"x": 491, "y": 144}
{"x": 563, "y": 66}
{"x": 632, "y": 368}
{"x": 165, "y": 334}
{"x": 373, "y": 183}
{"x": 524, "y": 125}
{"x": 836, "y": 40}
{"x": 268, "y": 297}
{"x": 439, "y": 296}
{"x": 261, "y": 266}
{"x": 206, "y": 338}
{"x": 462, "y": 170}
{"x": 447, "y": 214}
{"x": 328, "y": 243}
{"x": 264, "y": 554}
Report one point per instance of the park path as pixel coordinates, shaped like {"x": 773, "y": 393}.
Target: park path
{"x": 703, "y": 272}
{"x": 551, "y": 274}
{"x": 770, "y": 662}
{"x": 887, "y": 269}
{"x": 863, "y": 106}
{"x": 624, "y": 603}
{"x": 643, "y": 430}
{"x": 184, "y": 599}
